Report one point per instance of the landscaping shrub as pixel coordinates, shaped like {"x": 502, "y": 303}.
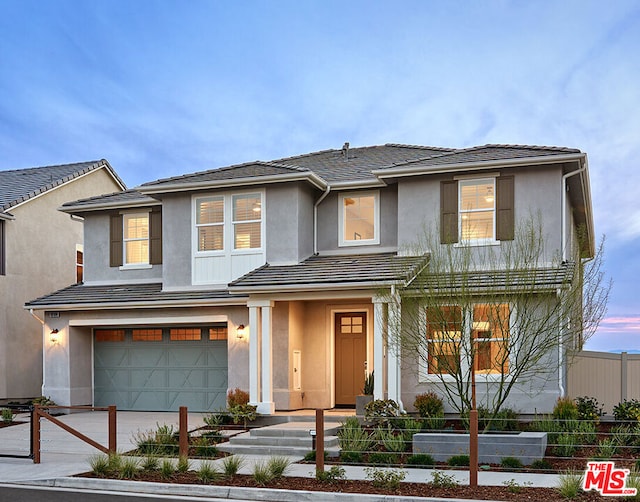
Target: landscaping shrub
{"x": 431, "y": 408}
{"x": 231, "y": 465}
{"x": 183, "y": 464}
{"x": 421, "y": 459}
{"x": 237, "y": 397}
{"x": 570, "y": 484}
{"x": 585, "y": 432}
{"x": 333, "y": 475}
{"x": 627, "y": 410}
{"x": 129, "y": 467}
{"x": 511, "y": 463}
{"x": 203, "y": 447}
{"x": 384, "y": 458}
{"x": 408, "y": 427}
{"x": 389, "y": 479}
{"x": 392, "y": 441}
{"x": 458, "y": 461}
{"x": 541, "y": 464}
{"x": 167, "y": 469}
{"x": 207, "y": 472}
{"x": 163, "y": 441}
{"x": 381, "y": 412}
{"x": 150, "y": 463}
{"x": 606, "y": 449}
{"x": 311, "y": 456}
{"x": 588, "y": 408}
{"x": 353, "y": 438}
{"x": 239, "y": 407}
{"x": 565, "y": 446}
{"x": 351, "y": 457}
{"x": 442, "y": 480}
{"x": 7, "y": 415}
{"x": 504, "y": 420}
{"x": 553, "y": 428}
{"x": 565, "y": 409}
{"x": 99, "y": 464}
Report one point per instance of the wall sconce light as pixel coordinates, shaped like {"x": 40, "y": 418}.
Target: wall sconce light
{"x": 53, "y": 336}
{"x": 240, "y": 332}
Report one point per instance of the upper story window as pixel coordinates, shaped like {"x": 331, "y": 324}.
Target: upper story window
{"x": 247, "y": 221}
{"x": 136, "y": 239}
{"x": 229, "y": 218}
{"x": 359, "y": 219}
{"x": 210, "y": 223}
{"x": 477, "y": 209}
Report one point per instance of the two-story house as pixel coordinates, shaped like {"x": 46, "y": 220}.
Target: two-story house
{"x": 272, "y": 276}
{"x": 41, "y": 250}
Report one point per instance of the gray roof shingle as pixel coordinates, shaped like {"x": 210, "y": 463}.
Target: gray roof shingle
{"x": 79, "y": 295}
{"x": 369, "y": 270}
{"x": 116, "y": 199}
{"x": 19, "y": 185}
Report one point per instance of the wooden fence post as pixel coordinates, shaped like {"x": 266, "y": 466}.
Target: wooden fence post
{"x": 184, "y": 434}
{"x": 35, "y": 434}
{"x": 319, "y": 440}
{"x": 113, "y": 442}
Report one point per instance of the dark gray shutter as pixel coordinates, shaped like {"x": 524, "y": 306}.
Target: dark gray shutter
{"x": 448, "y": 212}
{"x": 115, "y": 240}
{"x": 155, "y": 236}
{"x": 505, "y": 213}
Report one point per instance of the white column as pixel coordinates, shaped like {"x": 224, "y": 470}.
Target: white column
{"x": 254, "y": 355}
{"x": 267, "y": 406}
{"x": 394, "y": 352}
{"x": 378, "y": 348}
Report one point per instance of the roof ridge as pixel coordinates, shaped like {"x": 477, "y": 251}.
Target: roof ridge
{"x": 419, "y": 147}
{"x": 514, "y": 146}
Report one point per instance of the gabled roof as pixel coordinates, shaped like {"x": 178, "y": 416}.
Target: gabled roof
{"x": 80, "y": 296}
{"x": 335, "y": 272}
{"x": 125, "y": 199}
{"x": 20, "y": 185}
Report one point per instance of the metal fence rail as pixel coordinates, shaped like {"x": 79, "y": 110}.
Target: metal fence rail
{"x": 28, "y": 436}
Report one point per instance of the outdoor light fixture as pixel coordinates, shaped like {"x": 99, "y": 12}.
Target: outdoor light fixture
{"x": 489, "y": 196}
{"x": 240, "y": 332}
{"x": 53, "y": 336}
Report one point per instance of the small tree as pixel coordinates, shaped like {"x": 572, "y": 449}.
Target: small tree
{"x": 504, "y": 311}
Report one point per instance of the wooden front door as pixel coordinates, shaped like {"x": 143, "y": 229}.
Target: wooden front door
{"x": 351, "y": 354}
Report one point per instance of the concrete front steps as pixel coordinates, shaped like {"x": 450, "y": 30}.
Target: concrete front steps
{"x": 289, "y": 438}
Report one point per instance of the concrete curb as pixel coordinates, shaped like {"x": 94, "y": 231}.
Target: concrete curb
{"x": 223, "y": 492}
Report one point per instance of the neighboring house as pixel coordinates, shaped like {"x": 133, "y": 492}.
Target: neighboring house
{"x": 40, "y": 250}
{"x": 270, "y": 276}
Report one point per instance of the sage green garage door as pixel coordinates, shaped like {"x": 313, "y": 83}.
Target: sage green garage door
{"x": 161, "y": 369}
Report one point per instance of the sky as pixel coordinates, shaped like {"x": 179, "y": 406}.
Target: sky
{"x": 162, "y": 88}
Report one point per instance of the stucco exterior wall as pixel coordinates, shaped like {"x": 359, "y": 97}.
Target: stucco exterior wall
{"x": 176, "y": 242}
{"x": 41, "y": 257}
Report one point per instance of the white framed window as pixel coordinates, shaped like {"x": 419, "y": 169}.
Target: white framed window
{"x": 477, "y": 210}
{"x": 210, "y": 223}
{"x": 359, "y": 218}
{"x": 136, "y": 238}
{"x": 450, "y": 332}
{"x": 247, "y": 221}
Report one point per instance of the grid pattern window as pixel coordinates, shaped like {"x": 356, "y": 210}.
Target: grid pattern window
{"x": 79, "y": 263}
{"x": 490, "y": 333}
{"x": 136, "y": 238}
{"x": 477, "y": 209}
{"x": 109, "y": 335}
{"x": 351, "y": 324}
{"x": 147, "y": 335}
{"x": 247, "y": 221}
{"x": 359, "y": 219}
{"x": 210, "y": 223}
{"x": 218, "y": 333}
{"x": 444, "y": 333}
{"x": 185, "y": 334}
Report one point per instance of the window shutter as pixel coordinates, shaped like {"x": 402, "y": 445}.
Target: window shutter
{"x": 505, "y": 213}
{"x": 115, "y": 240}
{"x": 155, "y": 236}
{"x": 448, "y": 212}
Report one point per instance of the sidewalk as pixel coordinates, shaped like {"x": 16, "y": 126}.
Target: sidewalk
{"x": 63, "y": 456}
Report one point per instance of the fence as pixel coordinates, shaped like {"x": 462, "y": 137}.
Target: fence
{"x": 608, "y": 377}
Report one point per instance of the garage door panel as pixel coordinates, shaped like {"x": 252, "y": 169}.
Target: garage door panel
{"x": 161, "y": 375}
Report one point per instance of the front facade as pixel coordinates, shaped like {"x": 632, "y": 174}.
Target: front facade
{"x": 41, "y": 249}
{"x": 284, "y": 278}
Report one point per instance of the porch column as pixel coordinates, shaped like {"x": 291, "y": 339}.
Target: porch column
{"x": 254, "y": 355}
{"x": 267, "y": 406}
{"x": 394, "y": 352}
{"x": 379, "y": 323}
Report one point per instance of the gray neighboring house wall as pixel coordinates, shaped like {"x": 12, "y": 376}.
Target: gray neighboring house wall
{"x": 271, "y": 276}
{"x": 38, "y": 253}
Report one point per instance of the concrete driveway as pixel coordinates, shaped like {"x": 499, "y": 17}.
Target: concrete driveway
{"x": 62, "y": 454}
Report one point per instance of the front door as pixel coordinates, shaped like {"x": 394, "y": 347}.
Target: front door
{"x": 351, "y": 355}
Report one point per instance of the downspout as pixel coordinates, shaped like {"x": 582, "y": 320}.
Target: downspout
{"x": 44, "y": 373}
{"x": 315, "y": 219}
{"x": 560, "y": 356}
{"x": 563, "y": 239}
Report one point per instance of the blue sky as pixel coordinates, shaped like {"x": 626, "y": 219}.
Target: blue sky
{"x": 162, "y": 88}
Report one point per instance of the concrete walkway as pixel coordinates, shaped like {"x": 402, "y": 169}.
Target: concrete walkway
{"x": 63, "y": 455}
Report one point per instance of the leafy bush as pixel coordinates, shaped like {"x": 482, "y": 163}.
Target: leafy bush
{"x": 389, "y": 479}
{"x": 231, "y": 465}
{"x": 333, "y": 475}
{"x": 6, "y": 415}
{"x": 628, "y": 410}
{"x": 588, "y": 408}
{"x": 203, "y": 448}
{"x": 606, "y": 448}
{"x": 458, "y": 461}
{"x": 441, "y": 480}
{"x": 207, "y": 472}
{"x": 565, "y": 445}
{"x": 541, "y": 464}
{"x": 381, "y": 412}
{"x": 243, "y": 413}
{"x": 565, "y": 409}
{"x": 237, "y": 397}
{"x": 384, "y": 458}
{"x": 162, "y": 441}
{"x": 504, "y": 420}
{"x": 391, "y": 441}
{"x": 351, "y": 457}
{"x": 408, "y": 427}
{"x": 217, "y": 419}
{"x": 311, "y": 456}
{"x": 421, "y": 459}
{"x": 431, "y": 408}
{"x": 585, "y": 431}
{"x": 511, "y": 463}
{"x": 44, "y": 401}
{"x": 353, "y": 438}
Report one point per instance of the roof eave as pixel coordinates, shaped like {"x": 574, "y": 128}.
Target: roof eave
{"x": 312, "y": 178}
{"x": 309, "y": 287}
{"x": 108, "y": 206}
{"x": 7, "y": 216}
{"x": 417, "y": 170}
{"x": 138, "y": 304}
{"x": 352, "y": 185}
